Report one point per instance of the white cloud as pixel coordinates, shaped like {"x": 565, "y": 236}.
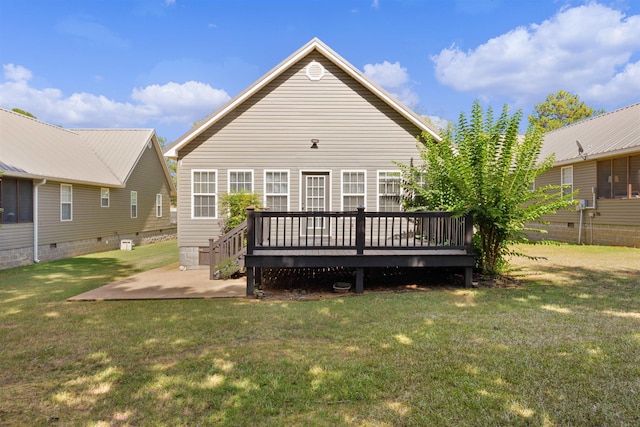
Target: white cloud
{"x": 16, "y": 73}
{"x": 628, "y": 80}
{"x": 393, "y": 78}
{"x": 169, "y": 2}
{"x": 583, "y": 50}
{"x": 169, "y": 103}
{"x": 181, "y": 102}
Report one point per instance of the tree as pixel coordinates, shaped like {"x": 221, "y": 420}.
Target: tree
{"x": 485, "y": 168}
{"x": 172, "y": 165}
{"x": 26, "y": 113}
{"x": 234, "y": 207}
{"x": 561, "y": 109}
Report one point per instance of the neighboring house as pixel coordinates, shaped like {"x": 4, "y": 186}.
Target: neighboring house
{"x": 70, "y": 192}
{"x": 600, "y": 158}
{"x": 314, "y": 133}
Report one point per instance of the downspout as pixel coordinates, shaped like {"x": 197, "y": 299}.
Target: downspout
{"x": 35, "y": 220}
{"x": 580, "y": 229}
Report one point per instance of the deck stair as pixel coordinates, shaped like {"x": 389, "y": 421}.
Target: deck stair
{"x": 231, "y": 246}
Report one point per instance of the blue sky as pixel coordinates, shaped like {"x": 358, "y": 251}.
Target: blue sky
{"x": 165, "y": 64}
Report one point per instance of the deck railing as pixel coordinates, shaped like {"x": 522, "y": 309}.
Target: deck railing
{"x": 230, "y": 246}
{"x": 357, "y": 230}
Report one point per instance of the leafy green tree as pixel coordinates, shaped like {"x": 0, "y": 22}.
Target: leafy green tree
{"x": 234, "y": 207}
{"x": 560, "y": 109}
{"x": 485, "y": 168}
{"x": 172, "y": 165}
{"x": 26, "y": 113}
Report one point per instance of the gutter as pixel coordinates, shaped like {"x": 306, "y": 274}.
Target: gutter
{"x": 35, "y": 220}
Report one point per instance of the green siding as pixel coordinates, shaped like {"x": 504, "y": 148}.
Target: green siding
{"x": 608, "y": 211}
{"x": 14, "y": 236}
{"x": 91, "y": 220}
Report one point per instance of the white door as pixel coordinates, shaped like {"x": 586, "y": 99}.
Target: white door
{"x": 315, "y": 198}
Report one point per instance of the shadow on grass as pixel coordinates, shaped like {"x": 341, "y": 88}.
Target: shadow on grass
{"x": 582, "y": 286}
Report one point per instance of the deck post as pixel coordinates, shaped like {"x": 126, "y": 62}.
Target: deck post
{"x": 360, "y": 230}
{"x": 250, "y": 281}
{"x": 468, "y": 277}
{"x": 360, "y": 240}
{"x": 359, "y": 280}
{"x": 212, "y": 260}
{"x": 251, "y": 230}
{"x": 251, "y": 243}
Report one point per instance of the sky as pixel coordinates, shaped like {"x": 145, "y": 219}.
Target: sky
{"x": 166, "y": 64}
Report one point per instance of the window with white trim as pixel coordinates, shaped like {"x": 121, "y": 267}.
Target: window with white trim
{"x": 389, "y": 191}
{"x": 353, "y": 190}
{"x": 104, "y": 197}
{"x": 204, "y": 194}
{"x": 159, "y": 205}
{"x": 276, "y": 190}
{"x": 566, "y": 179}
{"x": 66, "y": 202}
{"x": 134, "y": 204}
{"x": 240, "y": 180}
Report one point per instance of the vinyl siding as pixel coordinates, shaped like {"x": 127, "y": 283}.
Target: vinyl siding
{"x": 609, "y": 211}
{"x": 14, "y": 236}
{"x": 90, "y": 220}
{"x": 273, "y": 131}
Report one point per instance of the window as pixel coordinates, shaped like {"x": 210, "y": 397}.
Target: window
{"x": 389, "y": 191}
{"x": 566, "y": 179}
{"x": 276, "y": 190}
{"x": 240, "y": 181}
{"x": 353, "y": 190}
{"x": 66, "y": 202}
{"x": 104, "y": 197}
{"x": 134, "y": 204}
{"x": 158, "y": 205}
{"x": 204, "y": 194}
{"x": 16, "y": 198}
{"x": 619, "y": 178}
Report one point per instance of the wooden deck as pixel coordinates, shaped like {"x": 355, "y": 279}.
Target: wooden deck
{"x": 356, "y": 240}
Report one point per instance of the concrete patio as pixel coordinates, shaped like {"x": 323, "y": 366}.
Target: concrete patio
{"x": 167, "y": 283}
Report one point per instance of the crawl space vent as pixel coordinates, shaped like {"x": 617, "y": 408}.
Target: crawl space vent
{"x": 315, "y": 71}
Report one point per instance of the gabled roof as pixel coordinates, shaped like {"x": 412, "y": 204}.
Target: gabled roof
{"x": 609, "y": 134}
{"x": 33, "y": 149}
{"x": 121, "y": 149}
{"x": 313, "y": 45}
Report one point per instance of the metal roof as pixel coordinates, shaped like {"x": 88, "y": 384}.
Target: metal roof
{"x": 33, "y": 149}
{"x": 605, "y": 135}
{"x": 119, "y": 149}
{"x": 314, "y": 45}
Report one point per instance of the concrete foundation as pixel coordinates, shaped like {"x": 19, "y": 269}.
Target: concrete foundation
{"x": 596, "y": 234}
{"x": 50, "y": 252}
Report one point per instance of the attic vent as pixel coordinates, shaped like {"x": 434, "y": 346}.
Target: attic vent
{"x": 315, "y": 71}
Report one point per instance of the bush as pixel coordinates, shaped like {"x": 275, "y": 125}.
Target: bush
{"x": 234, "y": 208}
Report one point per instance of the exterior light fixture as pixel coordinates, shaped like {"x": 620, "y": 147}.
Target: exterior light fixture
{"x": 314, "y": 143}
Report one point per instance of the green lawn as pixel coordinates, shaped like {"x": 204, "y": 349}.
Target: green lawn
{"x": 562, "y": 348}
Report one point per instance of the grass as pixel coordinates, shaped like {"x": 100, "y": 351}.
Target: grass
{"x": 562, "y": 348}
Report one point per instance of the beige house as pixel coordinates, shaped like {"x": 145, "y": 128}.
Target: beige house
{"x": 313, "y": 134}
{"x": 600, "y": 158}
{"x": 71, "y": 192}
